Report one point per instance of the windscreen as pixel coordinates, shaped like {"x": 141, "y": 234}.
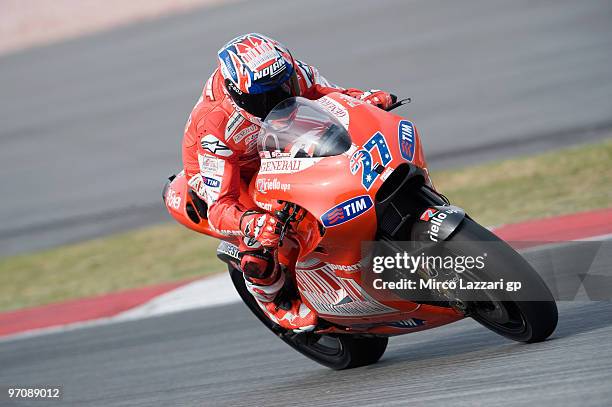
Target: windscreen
{"x": 301, "y": 128}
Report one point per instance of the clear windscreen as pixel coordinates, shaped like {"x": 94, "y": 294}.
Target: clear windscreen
{"x": 301, "y": 128}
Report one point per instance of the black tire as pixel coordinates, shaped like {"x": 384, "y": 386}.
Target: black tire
{"x": 527, "y": 321}
{"x": 334, "y": 351}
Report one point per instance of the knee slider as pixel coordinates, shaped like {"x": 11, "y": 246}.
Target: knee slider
{"x": 259, "y": 267}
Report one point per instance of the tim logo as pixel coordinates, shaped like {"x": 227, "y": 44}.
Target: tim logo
{"x": 428, "y": 214}
{"x": 211, "y": 182}
{"x": 405, "y": 133}
{"x": 347, "y": 210}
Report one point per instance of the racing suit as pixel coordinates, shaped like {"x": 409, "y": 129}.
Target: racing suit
{"x": 220, "y": 157}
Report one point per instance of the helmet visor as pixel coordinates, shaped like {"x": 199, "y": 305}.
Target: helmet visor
{"x": 260, "y": 104}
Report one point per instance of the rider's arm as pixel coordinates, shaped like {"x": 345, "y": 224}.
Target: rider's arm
{"x": 218, "y": 181}
{"x": 226, "y": 214}
{"x": 220, "y": 176}
{"x": 315, "y": 86}
{"x": 224, "y": 207}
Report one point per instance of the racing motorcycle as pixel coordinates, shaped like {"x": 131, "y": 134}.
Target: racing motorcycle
{"x": 338, "y": 172}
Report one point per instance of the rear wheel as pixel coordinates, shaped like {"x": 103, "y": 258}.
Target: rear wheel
{"x": 334, "y": 351}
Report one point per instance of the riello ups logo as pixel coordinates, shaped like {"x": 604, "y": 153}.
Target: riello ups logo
{"x": 347, "y": 210}
{"x": 435, "y": 218}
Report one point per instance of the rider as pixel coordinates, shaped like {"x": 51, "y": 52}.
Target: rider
{"x": 254, "y": 73}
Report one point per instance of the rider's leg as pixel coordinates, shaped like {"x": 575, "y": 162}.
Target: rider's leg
{"x": 265, "y": 280}
{"x": 262, "y": 274}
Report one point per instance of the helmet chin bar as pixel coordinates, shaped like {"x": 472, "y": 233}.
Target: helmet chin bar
{"x": 231, "y": 86}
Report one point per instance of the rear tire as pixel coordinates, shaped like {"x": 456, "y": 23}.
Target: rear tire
{"x": 512, "y": 317}
{"x": 334, "y": 351}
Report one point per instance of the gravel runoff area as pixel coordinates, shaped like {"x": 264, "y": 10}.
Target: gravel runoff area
{"x": 25, "y": 23}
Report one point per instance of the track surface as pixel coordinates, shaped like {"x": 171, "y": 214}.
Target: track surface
{"x": 90, "y": 128}
{"x": 223, "y": 356}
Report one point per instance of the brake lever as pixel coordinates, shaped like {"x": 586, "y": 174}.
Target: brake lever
{"x": 287, "y": 215}
{"x": 398, "y": 104}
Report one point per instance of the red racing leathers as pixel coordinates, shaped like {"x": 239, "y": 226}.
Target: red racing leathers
{"x": 220, "y": 146}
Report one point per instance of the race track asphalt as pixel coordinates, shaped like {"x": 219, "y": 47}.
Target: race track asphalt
{"x": 91, "y": 127}
{"x": 223, "y": 356}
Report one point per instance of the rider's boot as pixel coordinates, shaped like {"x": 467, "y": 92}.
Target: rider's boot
{"x": 265, "y": 281}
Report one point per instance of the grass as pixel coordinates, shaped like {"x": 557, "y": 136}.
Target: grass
{"x": 146, "y": 256}
{"x": 564, "y": 181}
{"x": 555, "y": 183}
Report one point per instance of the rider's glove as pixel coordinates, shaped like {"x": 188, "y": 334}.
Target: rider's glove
{"x": 260, "y": 227}
{"x": 378, "y": 98}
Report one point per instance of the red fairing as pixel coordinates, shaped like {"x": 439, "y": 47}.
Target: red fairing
{"x": 220, "y": 147}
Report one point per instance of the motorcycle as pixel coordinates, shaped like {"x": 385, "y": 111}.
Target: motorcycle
{"x": 338, "y": 172}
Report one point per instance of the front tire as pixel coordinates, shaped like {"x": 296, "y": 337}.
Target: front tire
{"x": 334, "y": 351}
{"x": 515, "y": 318}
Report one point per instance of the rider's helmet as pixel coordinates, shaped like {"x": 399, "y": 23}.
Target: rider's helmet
{"x": 258, "y": 73}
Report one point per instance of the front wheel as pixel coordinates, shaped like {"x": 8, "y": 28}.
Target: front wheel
{"x": 334, "y": 351}
{"x": 512, "y": 317}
